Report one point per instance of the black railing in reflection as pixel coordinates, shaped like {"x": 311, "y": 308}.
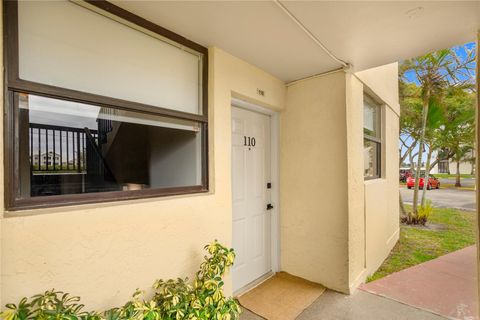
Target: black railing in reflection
{"x": 58, "y": 149}
{"x": 97, "y": 160}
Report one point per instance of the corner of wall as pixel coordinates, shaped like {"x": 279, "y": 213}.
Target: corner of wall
{"x": 383, "y": 80}
{"x": 356, "y": 195}
{"x": 379, "y": 215}
{"x": 314, "y": 178}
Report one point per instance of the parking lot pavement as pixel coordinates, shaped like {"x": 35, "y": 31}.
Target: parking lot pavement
{"x": 444, "y": 198}
{"x": 466, "y": 182}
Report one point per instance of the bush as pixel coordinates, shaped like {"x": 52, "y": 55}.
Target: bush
{"x": 425, "y": 212}
{"x": 172, "y": 300}
{"x": 421, "y": 217}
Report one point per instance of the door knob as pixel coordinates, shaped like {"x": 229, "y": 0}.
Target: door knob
{"x": 269, "y": 206}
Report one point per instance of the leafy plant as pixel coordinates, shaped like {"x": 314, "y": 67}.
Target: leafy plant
{"x": 425, "y": 211}
{"x": 172, "y": 300}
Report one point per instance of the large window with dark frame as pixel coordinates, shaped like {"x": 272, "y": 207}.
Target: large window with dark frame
{"x": 372, "y": 138}
{"x": 101, "y": 105}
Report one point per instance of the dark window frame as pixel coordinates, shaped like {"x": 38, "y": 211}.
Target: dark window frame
{"x": 376, "y": 140}
{"x": 13, "y": 86}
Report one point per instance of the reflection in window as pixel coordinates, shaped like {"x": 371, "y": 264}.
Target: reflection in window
{"x": 70, "y": 148}
{"x": 370, "y": 156}
{"x": 371, "y": 138}
{"x": 370, "y": 119}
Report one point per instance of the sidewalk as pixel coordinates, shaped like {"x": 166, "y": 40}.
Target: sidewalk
{"x": 446, "y": 285}
{"x": 360, "y": 305}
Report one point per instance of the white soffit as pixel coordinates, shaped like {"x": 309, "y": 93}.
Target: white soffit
{"x": 370, "y": 34}
{"x": 365, "y": 34}
{"x": 257, "y": 32}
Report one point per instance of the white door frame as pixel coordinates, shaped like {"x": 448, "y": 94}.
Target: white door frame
{"x": 275, "y": 175}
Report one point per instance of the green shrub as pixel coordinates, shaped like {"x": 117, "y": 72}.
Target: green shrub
{"x": 421, "y": 218}
{"x": 172, "y": 299}
{"x": 424, "y": 212}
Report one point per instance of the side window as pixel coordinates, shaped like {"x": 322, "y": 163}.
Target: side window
{"x": 372, "y": 138}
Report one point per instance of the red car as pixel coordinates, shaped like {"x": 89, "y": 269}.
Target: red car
{"x": 432, "y": 182}
{"x": 404, "y": 174}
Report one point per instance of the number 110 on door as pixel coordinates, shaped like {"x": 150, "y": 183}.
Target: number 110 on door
{"x": 249, "y": 141}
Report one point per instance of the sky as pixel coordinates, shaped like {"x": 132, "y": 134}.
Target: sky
{"x": 460, "y": 50}
{"x": 462, "y": 53}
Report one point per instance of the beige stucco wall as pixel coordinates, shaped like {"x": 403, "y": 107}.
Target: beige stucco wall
{"x": 356, "y": 189}
{"x": 313, "y": 175}
{"x": 336, "y": 228}
{"x": 381, "y": 207}
{"x": 103, "y": 252}
{"x": 383, "y": 80}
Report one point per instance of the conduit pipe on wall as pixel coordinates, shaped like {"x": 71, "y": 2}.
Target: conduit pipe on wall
{"x": 344, "y": 64}
{"x": 314, "y": 76}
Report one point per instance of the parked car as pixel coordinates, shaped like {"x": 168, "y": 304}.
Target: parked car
{"x": 432, "y": 182}
{"x": 404, "y": 174}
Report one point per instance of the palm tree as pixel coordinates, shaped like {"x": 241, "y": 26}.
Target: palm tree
{"x": 458, "y": 134}
{"x": 435, "y": 72}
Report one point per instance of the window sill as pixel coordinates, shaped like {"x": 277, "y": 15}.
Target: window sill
{"x": 64, "y": 202}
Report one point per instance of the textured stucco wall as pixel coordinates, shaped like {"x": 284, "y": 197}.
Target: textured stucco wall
{"x": 313, "y": 174}
{"x": 103, "y": 252}
{"x": 355, "y": 185}
{"x": 383, "y": 80}
{"x": 336, "y": 228}
{"x": 381, "y": 200}
{"x": 381, "y": 210}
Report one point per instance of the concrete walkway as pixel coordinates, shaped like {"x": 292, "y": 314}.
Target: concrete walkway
{"x": 358, "y": 306}
{"x": 446, "y": 285}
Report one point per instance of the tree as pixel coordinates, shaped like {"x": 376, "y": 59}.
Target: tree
{"x": 410, "y": 124}
{"x": 434, "y": 73}
{"x": 458, "y": 133}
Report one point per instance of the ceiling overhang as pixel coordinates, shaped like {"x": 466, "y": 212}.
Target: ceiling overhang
{"x": 364, "y": 34}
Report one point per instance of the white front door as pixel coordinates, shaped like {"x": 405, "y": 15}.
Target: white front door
{"x": 250, "y": 174}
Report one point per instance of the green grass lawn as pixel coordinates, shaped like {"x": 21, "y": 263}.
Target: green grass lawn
{"x": 450, "y": 230}
{"x": 453, "y": 176}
